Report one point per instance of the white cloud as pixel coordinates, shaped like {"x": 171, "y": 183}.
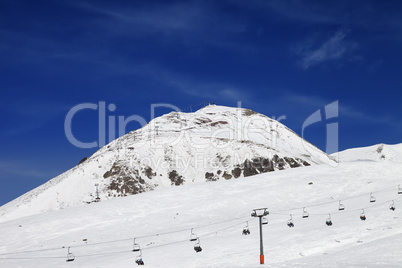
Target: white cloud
{"x": 30, "y": 114}
{"x": 332, "y": 49}
{"x": 211, "y": 91}
{"x": 21, "y": 169}
{"x": 188, "y": 19}
{"x": 345, "y": 111}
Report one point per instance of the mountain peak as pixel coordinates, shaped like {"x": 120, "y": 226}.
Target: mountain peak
{"x": 213, "y": 143}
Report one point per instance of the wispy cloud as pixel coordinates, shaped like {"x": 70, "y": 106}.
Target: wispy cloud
{"x": 361, "y": 116}
{"x": 190, "y": 19}
{"x": 26, "y": 115}
{"x": 202, "y": 89}
{"x": 301, "y": 11}
{"x": 345, "y": 110}
{"x": 15, "y": 168}
{"x": 333, "y": 48}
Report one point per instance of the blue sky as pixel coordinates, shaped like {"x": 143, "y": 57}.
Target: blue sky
{"x": 276, "y": 57}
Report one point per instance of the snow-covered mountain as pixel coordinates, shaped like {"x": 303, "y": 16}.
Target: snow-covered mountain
{"x": 380, "y": 152}
{"x": 101, "y": 234}
{"x": 213, "y": 143}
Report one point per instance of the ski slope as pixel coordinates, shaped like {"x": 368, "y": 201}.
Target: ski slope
{"x": 162, "y": 219}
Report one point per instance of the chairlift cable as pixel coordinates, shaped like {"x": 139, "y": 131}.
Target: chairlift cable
{"x": 181, "y": 241}
{"x": 123, "y": 240}
{"x": 337, "y": 212}
{"x": 335, "y": 201}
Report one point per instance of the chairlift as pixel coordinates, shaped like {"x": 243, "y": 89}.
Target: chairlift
{"x": 372, "y": 198}
{"x": 290, "y": 222}
{"x": 399, "y": 189}
{"x": 329, "y": 221}
{"x": 363, "y": 216}
{"x": 136, "y": 247}
{"x": 70, "y": 256}
{"x": 392, "y": 206}
{"x": 341, "y": 206}
{"x": 246, "y": 230}
{"x": 197, "y": 246}
{"x": 264, "y": 221}
{"x": 305, "y": 213}
{"x": 138, "y": 259}
{"x": 193, "y": 236}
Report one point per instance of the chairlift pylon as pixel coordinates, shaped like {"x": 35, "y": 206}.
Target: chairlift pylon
{"x": 193, "y": 236}
{"x": 362, "y": 215}
{"x": 138, "y": 259}
{"x": 197, "y": 246}
{"x": 305, "y": 213}
{"x": 290, "y": 222}
{"x": 392, "y": 206}
{"x": 70, "y": 256}
{"x": 341, "y": 206}
{"x": 136, "y": 247}
{"x": 329, "y": 221}
{"x": 372, "y": 198}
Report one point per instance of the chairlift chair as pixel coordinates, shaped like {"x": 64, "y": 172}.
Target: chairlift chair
{"x": 70, "y": 256}
{"x": 138, "y": 259}
{"x": 305, "y": 213}
{"x": 399, "y": 189}
{"x": 341, "y": 206}
{"x": 372, "y": 198}
{"x": 363, "y": 216}
{"x": 193, "y": 236}
{"x": 290, "y": 222}
{"x": 246, "y": 230}
{"x": 264, "y": 221}
{"x": 136, "y": 247}
{"x": 329, "y": 221}
{"x": 392, "y": 206}
{"x": 197, "y": 246}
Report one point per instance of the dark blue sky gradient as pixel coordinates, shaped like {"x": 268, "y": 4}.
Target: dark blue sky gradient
{"x": 276, "y": 57}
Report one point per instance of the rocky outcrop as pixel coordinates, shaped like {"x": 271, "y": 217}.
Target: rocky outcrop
{"x": 125, "y": 180}
{"x": 175, "y": 178}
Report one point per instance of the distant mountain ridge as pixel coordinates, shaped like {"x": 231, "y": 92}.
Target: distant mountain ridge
{"x": 380, "y": 152}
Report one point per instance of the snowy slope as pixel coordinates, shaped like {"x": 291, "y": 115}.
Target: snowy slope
{"x": 110, "y": 226}
{"x": 214, "y": 143}
{"x": 380, "y": 152}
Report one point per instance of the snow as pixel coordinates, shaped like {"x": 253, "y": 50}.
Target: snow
{"x": 172, "y": 211}
{"x": 379, "y": 152}
{"x": 37, "y": 228}
{"x": 212, "y": 139}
